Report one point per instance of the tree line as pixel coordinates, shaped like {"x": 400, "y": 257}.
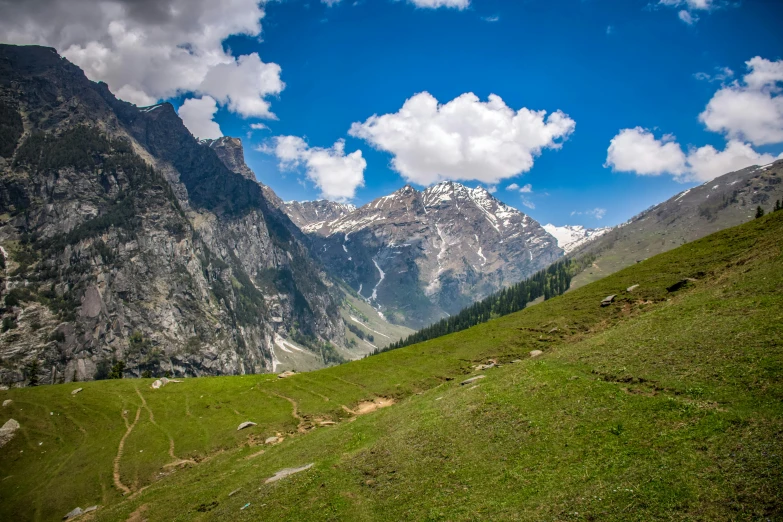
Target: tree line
{"x": 547, "y": 283}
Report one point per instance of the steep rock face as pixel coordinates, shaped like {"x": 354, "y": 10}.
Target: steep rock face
{"x": 232, "y": 154}
{"x": 723, "y": 202}
{"x": 571, "y": 237}
{"x": 125, "y": 240}
{"x": 311, "y": 216}
{"x": 418, "y": 256}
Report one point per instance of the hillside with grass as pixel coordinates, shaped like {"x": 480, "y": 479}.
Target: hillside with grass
{"x": 664, "y": 405}
{"x": 717, "y": 204}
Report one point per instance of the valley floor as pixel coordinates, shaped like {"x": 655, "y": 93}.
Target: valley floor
{"x": 665, "y": 405}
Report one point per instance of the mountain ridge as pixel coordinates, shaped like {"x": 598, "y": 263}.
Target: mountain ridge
{"x": 419, "y": 256}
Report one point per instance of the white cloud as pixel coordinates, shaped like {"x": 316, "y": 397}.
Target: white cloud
{"x": 513, "y": 186}
{"x": 687, "y": 8}
{"x": 706, "y": 163}
{"x": 637, "y": 150}
{"x": 147, "y": 50}
{"x": 529, "y": 204}
{"x": 721, "y": 75}
{"x": 491, "y": 19}
{"x": 597, "y": 213}
{"x": 258, "y": 126}
{"x": 687, "y": 17}
{"x": 464, "y": 139}
{"x": 197, "y": 116}
{"x": 527, "y": 189}
{"x": 696, "y": 5}
{"x": 751, "y": 110}
{"x": 492, "y": 189}
{"x": 434, "y": 4}
{"x": 336, "y": 174}
{"x": 238, "y": 84}
{"x": 330, "y": 3}
{"x": 609, "y": 29}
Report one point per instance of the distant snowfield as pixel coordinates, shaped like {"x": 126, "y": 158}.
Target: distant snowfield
{"x": 571, "y": 237}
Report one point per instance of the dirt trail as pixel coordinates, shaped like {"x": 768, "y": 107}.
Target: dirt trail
{"x": 301, "y": 427}
{"x": 117, "y": 482}
{"x": 324, "y": 397}
{"x": 177, "y": 461}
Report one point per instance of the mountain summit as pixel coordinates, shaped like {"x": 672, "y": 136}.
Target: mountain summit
{"x": 418, "y": 256}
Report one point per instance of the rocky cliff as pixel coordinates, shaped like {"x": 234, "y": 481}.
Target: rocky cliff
{"x": 311, "y": 216}
{"x": 420, "y": 256}
{"x": 128, "y": 243}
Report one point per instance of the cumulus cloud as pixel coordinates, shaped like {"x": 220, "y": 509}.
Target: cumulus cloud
{"x": 434, "y": 4}
{"x": 529, "y": 204}
{"x": 464, "y": 139}
{"x": 527, "y": 189}
{"x": 197, "y": 115}
{"x": 336, "y": 174}
{"x": 147, "y": 50}
{"x": 750, "y": 110}
{"x": 491, "y": 19}
{"x": 513, "y": 186}
{"x": 258, "y": 126}
{"x": 637, "y": 150}
{"x": 706, "y": 163}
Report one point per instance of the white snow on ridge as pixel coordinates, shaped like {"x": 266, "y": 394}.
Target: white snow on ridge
{"x": 383, "y": 276}
{"x": 570, "y": 237}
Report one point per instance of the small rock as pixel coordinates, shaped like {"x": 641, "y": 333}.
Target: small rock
{"x": 286, "y": 472}
{"x": 286, "y": 374}
{"x": 75, "y": 513}
{"x": 553, "y": 330}
{"x": 77, "y": 390}
{"x": 90, "y": 509}
{"x": 631, "y": 288}
{"x": 679, "y": 284}
{"x": 157, "y": 384}
{"x": 3, "y": 387}
{"x": 472, "y": 380}
{"x": 164, "y": 380}
{"x": 245, "y": 425}
{"x": 327, "y": 423}
{"x": 272, "y": 440}
{"x": 234, "y": 492}
{"x": 482, "y": 367}
{"x": 515, "y": 361}
{"x": 8, "y": 431}
{"x": 608, "y": 300}
{"x": 7, "y": 402}
{"x": 536, "y": 353}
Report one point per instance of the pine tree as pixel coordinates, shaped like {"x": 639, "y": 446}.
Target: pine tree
{"x": 759, "y": 212}
{"x": 778, "y": 206}
{"x": 33, "y": 370}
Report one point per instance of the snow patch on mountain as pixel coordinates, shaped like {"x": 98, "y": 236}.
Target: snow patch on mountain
{"x": 571, "y": 237}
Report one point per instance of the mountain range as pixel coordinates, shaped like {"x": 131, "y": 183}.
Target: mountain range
{"x": 419, "y": 256}
{"x": 127, "y": 245}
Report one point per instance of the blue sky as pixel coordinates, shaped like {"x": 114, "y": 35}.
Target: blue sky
{"x": 649, "y": 68}
{"x": 345, "y": 63}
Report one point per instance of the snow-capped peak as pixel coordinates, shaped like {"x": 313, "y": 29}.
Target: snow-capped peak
{"x": 571, "y": 237}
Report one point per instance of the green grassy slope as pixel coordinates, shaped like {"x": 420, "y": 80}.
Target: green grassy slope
{"x": 660, "y": 406}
